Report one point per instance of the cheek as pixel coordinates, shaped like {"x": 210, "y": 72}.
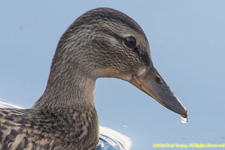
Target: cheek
{"x": 111, "y": 72}
{"x": 142, "y": 70}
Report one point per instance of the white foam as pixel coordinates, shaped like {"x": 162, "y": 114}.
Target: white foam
{"x": 8, "y": 105}
{"x": 122, "y": 141}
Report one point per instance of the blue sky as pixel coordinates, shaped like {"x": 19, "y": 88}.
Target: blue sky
{"x": 187, "y": 47}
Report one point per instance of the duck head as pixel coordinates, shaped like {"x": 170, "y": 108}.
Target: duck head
{"x": 107, "y": 43}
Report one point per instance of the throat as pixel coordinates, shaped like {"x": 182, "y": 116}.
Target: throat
{"x": 69, "y": 99}
{"x": 66, "y": 89}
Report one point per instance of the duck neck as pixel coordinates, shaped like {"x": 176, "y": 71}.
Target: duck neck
{"x": 67, "y": 88}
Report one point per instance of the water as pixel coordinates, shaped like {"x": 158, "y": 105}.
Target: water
{"x": 108, "y": 138}
{"x": 112, "y": 140}
{"x": 184, "y": 119}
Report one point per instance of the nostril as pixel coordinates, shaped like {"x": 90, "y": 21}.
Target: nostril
{"x": 158, "y": 79}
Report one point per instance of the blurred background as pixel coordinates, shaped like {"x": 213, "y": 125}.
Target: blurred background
{"x": 187, "y": 41}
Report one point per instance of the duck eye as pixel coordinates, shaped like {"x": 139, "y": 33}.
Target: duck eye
{"x": 130, "y": 41}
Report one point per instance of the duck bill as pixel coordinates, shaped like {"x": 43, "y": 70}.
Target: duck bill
{"x": 153, "y": 84}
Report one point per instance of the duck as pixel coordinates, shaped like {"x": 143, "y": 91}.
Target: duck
{"x": 101, "y": 43}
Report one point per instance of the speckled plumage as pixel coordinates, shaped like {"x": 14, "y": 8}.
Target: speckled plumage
{"x": 30, "y": 129}
{"x": 64, "y": 117}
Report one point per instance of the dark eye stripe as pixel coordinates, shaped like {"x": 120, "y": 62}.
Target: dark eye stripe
{"x": 142, "y": 55}
{"x": 109, "y": 32}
